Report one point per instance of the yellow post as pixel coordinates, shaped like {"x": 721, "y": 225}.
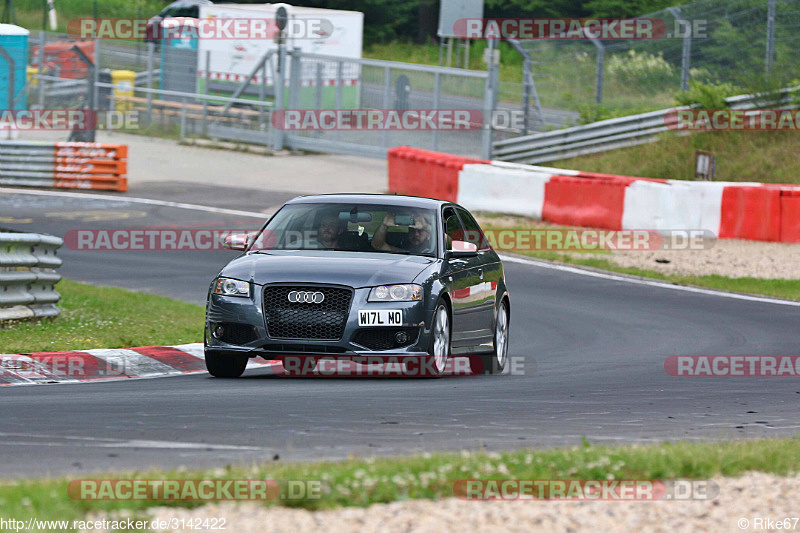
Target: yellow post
{"x": 123, "y": 81}
{"x": 32, "y": 71}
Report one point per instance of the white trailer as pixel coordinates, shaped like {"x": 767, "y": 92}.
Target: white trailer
{"x": 233, "y": 60}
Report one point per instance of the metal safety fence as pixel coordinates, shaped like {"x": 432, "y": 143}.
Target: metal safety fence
{"x": 187, "y": 93}
{"x": 28, "y": 263}
{"x": 615, "y": 133}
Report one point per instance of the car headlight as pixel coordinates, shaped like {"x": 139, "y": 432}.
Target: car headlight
{"x": 232, "y": 287}
{"x": 396, "y": 293}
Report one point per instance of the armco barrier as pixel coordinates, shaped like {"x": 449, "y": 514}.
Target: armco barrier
{"x": 27, "y": 275}
{"x": 70, "y": 165}
{"x": 418, "y": 172}
{"x": 790, "y": 216}
{"x": 739, "y": 210}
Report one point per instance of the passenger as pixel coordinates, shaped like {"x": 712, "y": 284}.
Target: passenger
{"x": 418, "y": 240}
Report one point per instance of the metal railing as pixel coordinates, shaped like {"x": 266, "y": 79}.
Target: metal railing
{"x": 610, "y": 134}
{"x": 27, "y": 275}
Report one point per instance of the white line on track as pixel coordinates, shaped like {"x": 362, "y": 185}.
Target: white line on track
{"x": 510, "y": 259}
{"x": 637, "y": 281}
{"x": 52, "y": 440}
{"x": 147, "y": 201}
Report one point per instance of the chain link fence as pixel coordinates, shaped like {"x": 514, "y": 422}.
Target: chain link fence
{"x": 179, "y": 92}
{"x": 750, "y": 44}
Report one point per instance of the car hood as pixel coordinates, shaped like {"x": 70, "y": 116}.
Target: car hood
{"x": 339, "y": 268}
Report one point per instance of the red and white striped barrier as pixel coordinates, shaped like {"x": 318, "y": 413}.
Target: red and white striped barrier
{"x": 730, "y": 210}
{"x": 80, "y": 366}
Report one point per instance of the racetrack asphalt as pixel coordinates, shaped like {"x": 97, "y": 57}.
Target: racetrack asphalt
{"x": 589, "y": 354}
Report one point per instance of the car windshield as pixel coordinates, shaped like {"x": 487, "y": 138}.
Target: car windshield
{"x": 351, "y": 228}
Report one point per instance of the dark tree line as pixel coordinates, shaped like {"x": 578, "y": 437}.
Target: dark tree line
{"x": 386, "y": 20}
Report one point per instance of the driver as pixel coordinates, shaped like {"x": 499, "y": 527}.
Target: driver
{"x": 418, "y": 240}
{"x": 329, "y": 230}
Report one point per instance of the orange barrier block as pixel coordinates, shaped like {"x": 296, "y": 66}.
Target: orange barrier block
{"x": 90, "y": 181}
{"x": 419, "y": 172}
{"x": 79, "y": 149}
{"x": 790, "y": 216}
{"x": 752, "y": 213}
{"x": 580, "y": 202}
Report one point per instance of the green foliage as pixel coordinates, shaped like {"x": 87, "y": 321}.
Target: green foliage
{"x": 707, "y": 95}
{"x": 593, "y": 113}
{"x": 647, "y": 73}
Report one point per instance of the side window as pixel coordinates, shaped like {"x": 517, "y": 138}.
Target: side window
{"x": 187, "y": 11}
{"x": 453, "y": 230}
{"x": 473, "y": 233}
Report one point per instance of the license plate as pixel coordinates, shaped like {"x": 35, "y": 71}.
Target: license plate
{"x": 383, "y": 317}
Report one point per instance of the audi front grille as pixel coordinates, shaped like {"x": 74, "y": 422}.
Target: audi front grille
{"x": 287, "y": 319}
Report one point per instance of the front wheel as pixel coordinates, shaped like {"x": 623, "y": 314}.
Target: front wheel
{"x": 225, "y": 365}
{"x": 435, "y": 363}
{"x": 495, "y": 362}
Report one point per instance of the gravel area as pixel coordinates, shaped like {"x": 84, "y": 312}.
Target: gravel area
{"x": 748, "y": 497}
{"x": 727, "y": 257}
{"x": 731, "y": 258}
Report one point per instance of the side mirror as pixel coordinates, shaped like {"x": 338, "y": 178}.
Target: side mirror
{"x": 236, "y": 241}
{"x": 462, "y": 250}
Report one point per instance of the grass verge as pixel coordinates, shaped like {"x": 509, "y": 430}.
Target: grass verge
{"x": 768, "y": 157}
{"x": 599, "y": 259}
{"x": 777, "y": 288}
{"x": 106, "y": 317}
{"x": 364, "y": 482}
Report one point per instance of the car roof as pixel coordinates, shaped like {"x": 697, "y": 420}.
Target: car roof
{"x": 388, "y": 199}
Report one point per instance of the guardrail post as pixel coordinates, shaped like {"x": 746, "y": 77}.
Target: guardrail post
{"x": 686, "y": 55}
{"x": 183, "y": 121}
{"x": 770, "y": 37}
{"x": 150, "y": 52}
{"x": 42, "y": 38}
{"x": 436, "y": 89}
{"x": 277, "y": 138}
{"x": 91, "y": 82}
{"x": 601, "y": 62}
{"x": 387, "y": 95}
{"x": 489, "y": 99}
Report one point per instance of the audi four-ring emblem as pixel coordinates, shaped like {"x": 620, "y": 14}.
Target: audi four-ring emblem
{"x": 306, "y": 297}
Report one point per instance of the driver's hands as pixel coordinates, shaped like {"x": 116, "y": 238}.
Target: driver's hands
{"x": 421, "y": 224}
{"x": 388, "y": 220}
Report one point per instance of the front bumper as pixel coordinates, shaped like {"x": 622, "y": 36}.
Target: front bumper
{"x": 245, "y": 319}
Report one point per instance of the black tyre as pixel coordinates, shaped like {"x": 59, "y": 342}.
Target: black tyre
{"x": 495, "y": 362}
{"x": 222, "y": 365}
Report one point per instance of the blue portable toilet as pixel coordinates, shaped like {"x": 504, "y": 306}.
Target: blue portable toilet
{"x": 14, "y": 41}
